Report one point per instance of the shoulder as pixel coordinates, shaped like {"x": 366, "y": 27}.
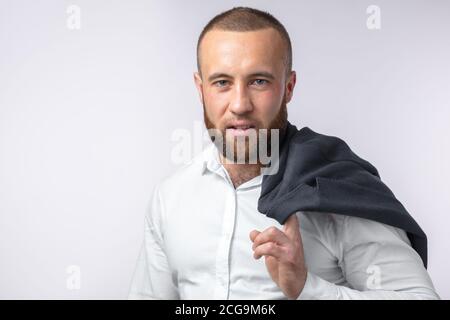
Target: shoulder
{"x": 180, "y": 184}
{"x": 184, "y": 176}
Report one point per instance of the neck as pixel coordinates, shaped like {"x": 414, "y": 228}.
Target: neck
{"x": 240, "y": 173}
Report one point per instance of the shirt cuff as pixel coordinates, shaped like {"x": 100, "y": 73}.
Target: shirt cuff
{"x": 317, "y": 288}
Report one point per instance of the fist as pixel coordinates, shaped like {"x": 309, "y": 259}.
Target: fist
{"x": 283, "y": 253}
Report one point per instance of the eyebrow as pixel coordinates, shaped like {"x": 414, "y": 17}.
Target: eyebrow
{"x": 264, "y": 74}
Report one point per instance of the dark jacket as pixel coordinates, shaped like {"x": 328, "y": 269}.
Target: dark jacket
{"x": 321, "y": 173}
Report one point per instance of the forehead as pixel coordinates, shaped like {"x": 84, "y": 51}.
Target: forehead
{"x": 233, "y": 51}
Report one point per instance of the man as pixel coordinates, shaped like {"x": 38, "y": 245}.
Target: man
{"x": 204, "y": 237}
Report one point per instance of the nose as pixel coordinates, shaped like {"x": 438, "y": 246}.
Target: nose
{"x": 240, "y": 101}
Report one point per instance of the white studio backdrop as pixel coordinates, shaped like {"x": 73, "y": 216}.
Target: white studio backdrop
{"x": 92, "y": 91}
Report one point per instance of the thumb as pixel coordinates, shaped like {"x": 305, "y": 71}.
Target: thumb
{"x": 254, "y": 234}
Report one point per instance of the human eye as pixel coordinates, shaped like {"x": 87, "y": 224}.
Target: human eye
{"x": 260, "y": 82}
{"x": 221, "y": 83}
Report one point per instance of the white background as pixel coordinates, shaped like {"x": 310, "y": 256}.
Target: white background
{"x": 86, "y": 118}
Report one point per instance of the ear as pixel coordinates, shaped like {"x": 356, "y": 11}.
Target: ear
{"x": 199, "y": 84}
{"x": 290, "y": 84}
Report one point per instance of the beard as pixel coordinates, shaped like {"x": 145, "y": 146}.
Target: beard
{"x": 249, "y": 148}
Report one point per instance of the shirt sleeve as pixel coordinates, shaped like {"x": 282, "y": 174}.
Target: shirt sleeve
{"x": 152, "y": 278}
{"x": 377, "y": 261}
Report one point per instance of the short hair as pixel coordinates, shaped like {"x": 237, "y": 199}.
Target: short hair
{"x": 247, "y": 19}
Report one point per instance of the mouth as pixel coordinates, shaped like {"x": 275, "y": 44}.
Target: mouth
{"x": 239, "y": 129}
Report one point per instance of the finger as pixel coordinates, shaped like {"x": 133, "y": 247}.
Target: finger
{"x": 272, "y": 234}
{"x": 268, "y": 249}
{"x": 253, "y": 234}
{"x": 292, "y": 230}
{"x": 291, "y": 227}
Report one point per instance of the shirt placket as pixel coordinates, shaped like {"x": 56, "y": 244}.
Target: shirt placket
{"x": 223, "y": 254}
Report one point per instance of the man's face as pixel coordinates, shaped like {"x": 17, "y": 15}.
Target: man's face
{"x": 243, "y": 86}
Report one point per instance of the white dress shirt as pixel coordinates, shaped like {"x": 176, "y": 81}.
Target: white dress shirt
{"x": 197, "y": 246}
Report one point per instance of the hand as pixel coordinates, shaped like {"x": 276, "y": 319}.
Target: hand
{"x": 283, "y": 252}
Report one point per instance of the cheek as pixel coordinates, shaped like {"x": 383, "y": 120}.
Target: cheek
{"x": 215, "y": 105}
{"x": 267, "y": 105}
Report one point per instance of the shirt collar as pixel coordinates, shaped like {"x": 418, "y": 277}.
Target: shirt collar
{"x": 211, "y": 163}
{"x": 210, "y": 160}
